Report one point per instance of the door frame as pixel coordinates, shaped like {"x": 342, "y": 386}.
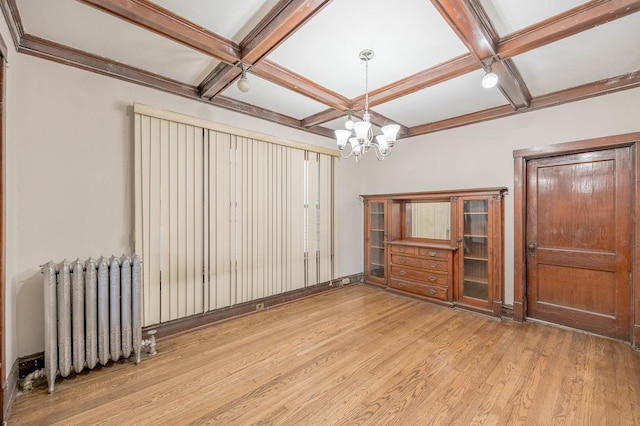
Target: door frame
{"x": 3, "y": 119}
{"x": 521, "y": 157}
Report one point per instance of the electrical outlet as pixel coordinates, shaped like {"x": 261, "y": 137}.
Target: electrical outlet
{"x": 259, "y": 306}
{"x": 345, "y": 281}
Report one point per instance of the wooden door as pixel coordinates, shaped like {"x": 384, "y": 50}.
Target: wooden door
{"x": 579, "y": 241}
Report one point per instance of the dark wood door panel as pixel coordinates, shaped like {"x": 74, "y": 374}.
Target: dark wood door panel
{"x": 576, "y": 288}
{"x": 579, "y": 240}
{"x": 574, "y": 201}
{"x": 586, "y": 259}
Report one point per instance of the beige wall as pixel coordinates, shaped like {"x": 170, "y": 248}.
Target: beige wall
{"x": 73, "y": 177}
{"x": 69, "y": 177}
{"x": 11, "y": 190}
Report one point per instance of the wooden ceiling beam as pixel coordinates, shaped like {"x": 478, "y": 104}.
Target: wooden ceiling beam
{"x": 66, "y": 55}
{"x": 566, "y": 24}
{"x": 286, "y": 18}
{"x": 381, "y": 121}
{"x": 453, "y": 68}
{"x": 252, "y": 110}
{"x": 162, "y": 21}
{"x": 462, "y": 120}
{"x": 283, "y": 20}
{"x": 469, "y": 21}
{"x": 511, "y": 84}
{"x": 578, "y": 93}
{"x": 322, "y": 117}
{"x": 13, "y": 20}
{"x": 218, "y": 80}
{"x": 281, "y": 76}
{"x": 442, "y": 72}
{"x": 597, "y": 88}
{"x": 471, "y": 25}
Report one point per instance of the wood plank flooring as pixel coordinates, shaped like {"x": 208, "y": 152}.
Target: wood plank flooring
{"x": 357, "y": 355}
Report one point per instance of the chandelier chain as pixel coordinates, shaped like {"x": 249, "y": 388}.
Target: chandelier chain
{"x": 366, "y": 89}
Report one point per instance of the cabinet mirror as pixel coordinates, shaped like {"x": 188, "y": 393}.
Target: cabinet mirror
{"x": 428, "y": 219}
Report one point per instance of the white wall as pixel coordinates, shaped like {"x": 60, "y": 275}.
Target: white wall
{"x": 481, "y": 155}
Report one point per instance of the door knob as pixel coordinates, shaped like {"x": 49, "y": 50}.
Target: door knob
{"x": 532, "y": 247}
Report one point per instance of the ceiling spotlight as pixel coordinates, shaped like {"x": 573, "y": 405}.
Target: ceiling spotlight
{"x": 243, "y": 83}
{"x": 349, "y": 123}
{"x": 490, "y": 79}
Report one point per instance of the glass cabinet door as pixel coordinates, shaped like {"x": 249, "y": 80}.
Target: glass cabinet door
{"x": 376, "y": 239}
{"x": 476, "y": 249}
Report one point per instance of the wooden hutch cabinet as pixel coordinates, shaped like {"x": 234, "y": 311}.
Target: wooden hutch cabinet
{"x": 444, "y": 247}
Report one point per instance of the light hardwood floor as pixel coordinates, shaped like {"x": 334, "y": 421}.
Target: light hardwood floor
{"x": 357, "y": 355}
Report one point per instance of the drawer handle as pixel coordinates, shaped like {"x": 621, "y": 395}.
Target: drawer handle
{"x": 433, "y": 278}
{"x": 402, "y": 250}
{"x": 400, "y": 285}
{"x": 403, "y": 272}
{"x": 431, "y": 291}
{"x": 403, "y": 260}
{"x": 433, "y": 264}
{"x": 433, "y": 253}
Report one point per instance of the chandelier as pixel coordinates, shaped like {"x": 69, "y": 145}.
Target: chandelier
{"x": 363, "y": 139}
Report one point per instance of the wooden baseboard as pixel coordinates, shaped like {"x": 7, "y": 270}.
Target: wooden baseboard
{"x": 10, "y": 390}
{"x": 507, "y": 311}
{"x": 635, "y": 337}
{"x": 184, "y": 325}
{"x": 518, "y": 311}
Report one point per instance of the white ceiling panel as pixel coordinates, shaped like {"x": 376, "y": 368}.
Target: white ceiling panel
{"x": 407, "y": 36}
{"x": 593, "y": 55}
{"x": 454, "y": 97}
{"x": 509, "y": 16}
{"x": 230, "y": 19}
{"x": 275, "y": 98}
{"x": 90, "y": 30}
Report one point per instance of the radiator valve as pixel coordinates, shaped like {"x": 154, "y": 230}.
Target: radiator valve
{"x": 150, "y": 342}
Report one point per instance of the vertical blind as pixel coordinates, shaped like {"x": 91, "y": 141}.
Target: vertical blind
{"x": 224, "y": 217}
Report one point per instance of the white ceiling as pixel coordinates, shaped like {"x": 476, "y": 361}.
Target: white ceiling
{"x": 407, "y": 36}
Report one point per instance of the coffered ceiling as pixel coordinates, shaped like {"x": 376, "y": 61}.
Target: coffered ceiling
{"x": 302, "y": 55}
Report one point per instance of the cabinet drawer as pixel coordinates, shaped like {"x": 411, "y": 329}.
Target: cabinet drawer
{"x": 419, "y": 275}
{"x": 404, "y": 249}
{"x": 434, "y": 253}
{"x": 419, "y": 262}
{"x": 436, "y": 292}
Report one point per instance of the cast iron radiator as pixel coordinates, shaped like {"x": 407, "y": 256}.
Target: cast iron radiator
{"x": 91, "y": 315}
